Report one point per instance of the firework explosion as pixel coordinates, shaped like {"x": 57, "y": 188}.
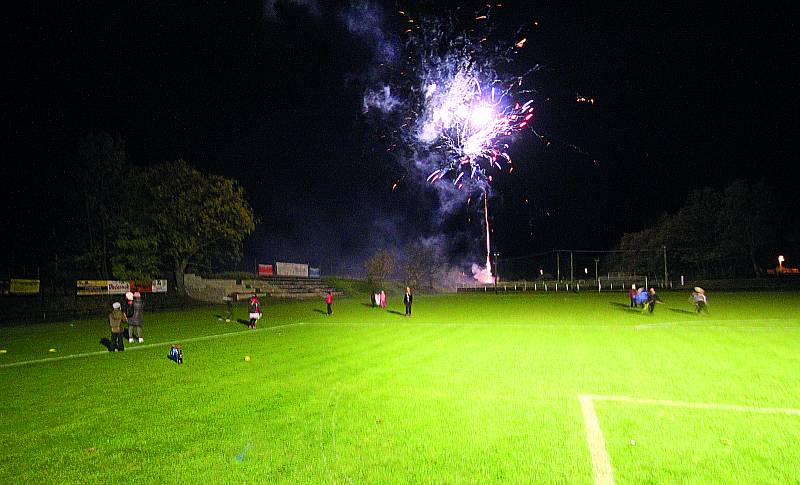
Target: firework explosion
{"x": 458, "y": 104}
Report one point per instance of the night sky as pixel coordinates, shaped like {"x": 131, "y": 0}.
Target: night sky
{"x": 271, "y": 94}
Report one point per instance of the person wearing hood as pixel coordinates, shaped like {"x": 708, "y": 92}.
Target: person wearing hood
{"x": 135, "y": 321}
{"x": 115, "y": 321}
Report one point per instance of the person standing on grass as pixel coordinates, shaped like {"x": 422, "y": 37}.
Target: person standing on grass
{"x": 641, "y": 297}
{"x": 228, "y": 299}
{"x": 135, "y": 322}
{"x": 329, "y": 302}
{"x": 115, "y": 320}
{"x": 254, "y": 307}
{"x": 408, "y": 299}
{"x": 383, "y": 299}
{"x": 652, "y": 299}
{"x": 632, "y": 295}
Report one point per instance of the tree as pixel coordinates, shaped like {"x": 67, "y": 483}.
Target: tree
{"x": 379, "y": 267}
{"x": 196, "y": 218}
{"x": 136, "y": 255}
{"x": 744, "y": 220}
{"x": 99, "y": 177}
{"x": 422, "y": 262}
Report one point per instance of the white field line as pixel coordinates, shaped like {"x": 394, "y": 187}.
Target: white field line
{"x": 673, "y": 324}
{"x": 150, "y": 346}
{"x": 601, "y": 463}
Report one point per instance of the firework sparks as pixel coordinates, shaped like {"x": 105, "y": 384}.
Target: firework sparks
{"x": 463, "y": 104}
{"x": 462, "y": 111}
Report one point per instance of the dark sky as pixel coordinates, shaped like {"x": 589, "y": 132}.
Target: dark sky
{"x": 270, "y": 94}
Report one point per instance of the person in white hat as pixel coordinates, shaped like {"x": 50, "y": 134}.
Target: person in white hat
{"x": 115, "y": 320}
{"x": 700, "y": 300}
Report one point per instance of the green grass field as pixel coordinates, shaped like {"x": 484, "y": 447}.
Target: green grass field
{"x": 475, "y": 388}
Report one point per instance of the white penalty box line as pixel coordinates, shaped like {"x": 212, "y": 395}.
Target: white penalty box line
{"x": 601, "y": 463}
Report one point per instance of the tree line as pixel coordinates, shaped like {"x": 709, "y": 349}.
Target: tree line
{"x": 138, "y": 223}
{"x": 717, "y": 233}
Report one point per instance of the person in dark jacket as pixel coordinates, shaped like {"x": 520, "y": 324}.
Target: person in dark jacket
{"x": 329, "y": 302}
{"x": 115, "y": 320}
{"x": 254, "y": 307}
{"x": 135, "y": 321}
{"x": 652, "y": 299}
{"x": 408, "y": 299}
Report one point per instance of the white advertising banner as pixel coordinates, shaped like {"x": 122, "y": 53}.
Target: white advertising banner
{"x": 292, "y": 269}
{"x": 159, "y": 286}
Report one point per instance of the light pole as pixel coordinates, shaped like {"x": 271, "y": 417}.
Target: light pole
{"x": 496, "y": 254}
{"x": 596, "y": 260}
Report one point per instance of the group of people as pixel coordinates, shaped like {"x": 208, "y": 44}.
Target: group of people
{"x": 644, "y": 299}
{"x": 379, "y": 299}
{"x": 132, "y": 315}
{"x": 648, "y": 298}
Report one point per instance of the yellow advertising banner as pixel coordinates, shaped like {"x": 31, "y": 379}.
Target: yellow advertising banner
{"x": 24, "y": 287}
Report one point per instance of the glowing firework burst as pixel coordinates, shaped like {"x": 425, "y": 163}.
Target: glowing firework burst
{"x": 460, "y": 112}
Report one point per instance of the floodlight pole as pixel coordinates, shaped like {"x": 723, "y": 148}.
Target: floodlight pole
{"x": 596, "y": 277}
{"x": 571, "y": 273}
{"x": 558, "y": 265}
{"x": 665, "y": 266}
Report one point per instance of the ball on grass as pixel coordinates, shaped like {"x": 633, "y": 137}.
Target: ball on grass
{"x": 52, "y": 350}
{"x": 247, "y": 358}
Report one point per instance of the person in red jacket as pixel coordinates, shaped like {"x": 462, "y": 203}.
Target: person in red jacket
{"x": 254, "y": 308}
{"x": 329, "y": 302}
{"x": 632, "y": 295}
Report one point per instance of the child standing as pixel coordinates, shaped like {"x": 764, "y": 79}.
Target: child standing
{"x": 329, "y": 302}
{"x": 115, "y": 320}
{"x": 254, "y": 307}
{"x": 228, "y": 299}
{"x": 136, "y": 319}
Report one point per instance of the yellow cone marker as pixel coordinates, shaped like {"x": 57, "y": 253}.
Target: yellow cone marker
{"x": 247, "y": 358}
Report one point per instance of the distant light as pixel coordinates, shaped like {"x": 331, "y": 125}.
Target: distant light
{"x": 585, "y": 270}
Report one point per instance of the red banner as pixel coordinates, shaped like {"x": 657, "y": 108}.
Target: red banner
{"x": 265, "y": 270}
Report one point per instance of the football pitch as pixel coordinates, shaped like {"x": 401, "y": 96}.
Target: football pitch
{"x": 473, "y": 388}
